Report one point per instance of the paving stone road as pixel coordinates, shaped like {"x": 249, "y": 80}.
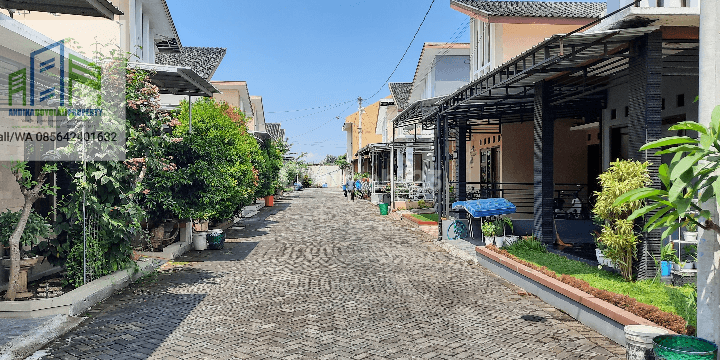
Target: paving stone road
{"x": 318, "y": 277}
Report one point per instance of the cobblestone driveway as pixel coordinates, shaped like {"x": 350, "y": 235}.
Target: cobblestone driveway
{"x": 318, "y": 277}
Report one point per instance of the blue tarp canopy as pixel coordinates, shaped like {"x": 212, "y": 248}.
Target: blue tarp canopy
{"x": 485, "y": 207}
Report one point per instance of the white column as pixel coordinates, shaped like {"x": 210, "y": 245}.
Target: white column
{"x": 392, "y": 176}
{"x": 137, "y": 25}
{"x": 401, "y": 165}
{"x": 146, "y": 40}
{"x": 409, "y": 158}
{"x": 708, "y": 276}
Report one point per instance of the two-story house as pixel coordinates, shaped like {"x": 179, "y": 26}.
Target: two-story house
{"x": 442, "y": 68}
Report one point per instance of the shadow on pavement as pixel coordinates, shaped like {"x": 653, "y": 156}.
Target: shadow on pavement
{"x": 233, "y": 251}
{"x": 136, "y": 321}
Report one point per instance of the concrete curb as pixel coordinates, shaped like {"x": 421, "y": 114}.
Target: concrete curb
{"x": 417, "y": 221}
{"x": 29, "y": 342}
{"x": 169, "y": 252}
{"x": 77, "y": 301}
{"x": 603, "y": 317}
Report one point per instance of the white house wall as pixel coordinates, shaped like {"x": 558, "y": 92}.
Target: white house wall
{"x": 450, "y": 73}
{"x": 671, "y": 87}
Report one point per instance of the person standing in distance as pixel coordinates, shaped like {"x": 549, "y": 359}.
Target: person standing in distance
{"x": 350, "y": 186}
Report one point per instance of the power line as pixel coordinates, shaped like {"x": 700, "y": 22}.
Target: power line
{"x": 315, "y": 113}
{"x": 406, "y": 51}
{"x": 325, "y": 123}
{"x": 313, "y": 108}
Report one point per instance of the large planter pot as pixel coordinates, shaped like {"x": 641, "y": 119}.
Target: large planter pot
{"x": 25, "y": 265}
{"x": 690, "y": 236}
{"x": 269, "y": 200}
{"x": 511, "y": 239}
{"x": 688, "y": 265}
{"x": 499, "y": 241}
{"x": 665, "y": 267}
{"x": 489, "y": 240}
{"x": 676, "y": 266}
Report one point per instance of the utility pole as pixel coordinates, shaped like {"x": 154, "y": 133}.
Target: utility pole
{"x": 359, "y": 123}
{"x": 708, "y": 275}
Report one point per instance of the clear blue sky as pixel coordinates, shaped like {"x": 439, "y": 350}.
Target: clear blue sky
{"x": 308, "y": 54}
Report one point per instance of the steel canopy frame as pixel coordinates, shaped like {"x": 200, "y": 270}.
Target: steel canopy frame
{"x": 95, "y": 8}
{"x": 579, "y": 67}
{"x": 176, "y": 80}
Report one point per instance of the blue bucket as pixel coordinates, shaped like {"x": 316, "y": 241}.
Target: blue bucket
{"x": 665, "y": 267}
{"x": 344, "y": 187}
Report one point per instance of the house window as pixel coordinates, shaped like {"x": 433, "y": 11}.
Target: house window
{"x": 489, "y": 165}
{"x": 662, "y": 107}
{"x": 681, "y": 100}
{"x": 627, "y": 111}
{"x": 482, "y": 45}
{"x": 613, "y": 114}
{"x": 619, "y": 142}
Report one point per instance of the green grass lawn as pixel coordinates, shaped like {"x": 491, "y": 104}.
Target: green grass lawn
{"x": 426, "y": 217}
{"x": 671, "y": 299}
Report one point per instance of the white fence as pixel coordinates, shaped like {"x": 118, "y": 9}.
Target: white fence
{"x": 331, "y": 175}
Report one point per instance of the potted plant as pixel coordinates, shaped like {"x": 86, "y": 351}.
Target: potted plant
{"x": 667, "y": 259}
{"x": 499, "y": 224}
{"x": 690, "y": 233}
{"x": 691, "y": 254}
{"x": 599, "y": 248}
{"x": 488, "y": 230}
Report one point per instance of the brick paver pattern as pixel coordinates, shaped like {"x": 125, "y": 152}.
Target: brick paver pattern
{"x": 319, "y": 277}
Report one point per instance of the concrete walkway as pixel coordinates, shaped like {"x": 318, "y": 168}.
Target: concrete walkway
{"x": 315, "y": 277}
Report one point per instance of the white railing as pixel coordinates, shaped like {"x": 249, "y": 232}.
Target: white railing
{"x": 613, "y": 5}
{"x": 415, "y": 190}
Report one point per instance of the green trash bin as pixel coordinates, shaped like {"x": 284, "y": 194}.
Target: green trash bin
{"x": 683, "y": 347}
{"x": 383, "y": 209}
{"x": 215, "y": 240}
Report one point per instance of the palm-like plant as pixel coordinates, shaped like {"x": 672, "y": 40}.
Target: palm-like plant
{"x": 692, "y": 174}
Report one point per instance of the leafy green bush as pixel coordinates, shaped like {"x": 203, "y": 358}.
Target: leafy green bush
{"x": 527, "y": 243}
{"x": 36, "y": 227}
{"x": 290, "y": 171}
{"x": 271, "y": 152}
{"x": 667, "y": 253}
{"x": 618, "y": 233}
{"x": 108, "y": 190}
{"x": 214, "y": 170}
{"x": 306, "y": 181}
